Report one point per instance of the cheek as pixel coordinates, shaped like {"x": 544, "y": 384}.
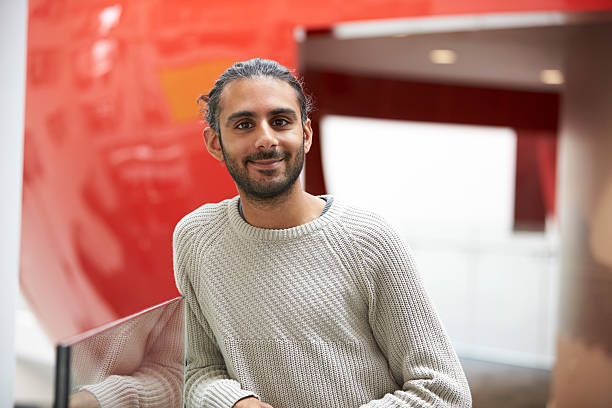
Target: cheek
{"x": 233, "y": 148}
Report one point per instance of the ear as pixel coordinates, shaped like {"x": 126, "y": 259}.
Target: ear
{"x": 213, "y": 143}
{"x": 307, "y": 136}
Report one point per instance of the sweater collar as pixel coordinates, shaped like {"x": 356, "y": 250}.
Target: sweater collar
{"x": 243, "y": 228}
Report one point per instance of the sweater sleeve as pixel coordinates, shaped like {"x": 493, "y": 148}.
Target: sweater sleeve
{"x": 207, "y": 382}
{"x": 408, "y": 330}
{"x": 158, "y": 381}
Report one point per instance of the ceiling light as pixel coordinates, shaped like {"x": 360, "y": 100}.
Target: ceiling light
{"x": 551, "y": 77}
{"x": 443, "y": 56}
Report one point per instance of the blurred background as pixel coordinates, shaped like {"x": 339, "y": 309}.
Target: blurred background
{"x": 482, "y": 132}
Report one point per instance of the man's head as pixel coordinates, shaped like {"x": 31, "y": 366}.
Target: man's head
{"x": 258, "y": 125}
{"x": 252, "y": 68}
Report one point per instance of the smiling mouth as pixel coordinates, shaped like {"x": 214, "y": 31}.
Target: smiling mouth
{"x": 266, "y": 164}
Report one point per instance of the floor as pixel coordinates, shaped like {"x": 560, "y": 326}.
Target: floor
{"x": 33, "y": 385}
{"x": 504, "y": 386}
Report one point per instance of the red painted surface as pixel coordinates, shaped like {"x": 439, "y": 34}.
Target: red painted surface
{"x": 535, "y": 178}
{"x": 113, "y": 156}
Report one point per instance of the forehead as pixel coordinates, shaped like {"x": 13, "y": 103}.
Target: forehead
{"x": 258, "y": 95}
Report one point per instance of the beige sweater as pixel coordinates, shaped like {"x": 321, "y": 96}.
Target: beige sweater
{"x": 328, "y": 314}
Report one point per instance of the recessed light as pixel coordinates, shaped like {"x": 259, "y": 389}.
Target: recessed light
{"x": 551, "y": 76}
{"x": 442, "y": 56}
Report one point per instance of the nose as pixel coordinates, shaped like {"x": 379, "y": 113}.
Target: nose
{"x": 266, "y": 137}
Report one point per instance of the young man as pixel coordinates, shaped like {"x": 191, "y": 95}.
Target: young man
{"x": 294, "y": 300}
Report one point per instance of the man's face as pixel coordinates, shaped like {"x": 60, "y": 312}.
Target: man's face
{"x": 262, "y": 139}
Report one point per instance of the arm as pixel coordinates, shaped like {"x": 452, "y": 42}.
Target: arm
{"x": 158, "y": 380}
{"x": 408, "y": 330}
{"x": 207, "y": 382}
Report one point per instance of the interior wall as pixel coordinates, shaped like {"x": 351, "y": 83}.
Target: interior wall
{"x": 584, "y": 357}
{"x": 13, "y": 18}
{"x": 534, "y": 115}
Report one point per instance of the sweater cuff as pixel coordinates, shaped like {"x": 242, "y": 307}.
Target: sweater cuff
{"x": 123, "y": 391}
{"x": 225, "y": 393}
{"x": 111, "y": 393}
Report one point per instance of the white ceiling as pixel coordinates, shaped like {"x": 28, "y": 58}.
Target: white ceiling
{"x": 502, "y": 58}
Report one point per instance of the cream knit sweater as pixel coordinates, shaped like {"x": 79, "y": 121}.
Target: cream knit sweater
{"x": 328, "y": 314}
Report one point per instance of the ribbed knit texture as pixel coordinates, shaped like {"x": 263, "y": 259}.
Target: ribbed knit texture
{"x": 136, "y": 364}
{"x": 327, "y": 314}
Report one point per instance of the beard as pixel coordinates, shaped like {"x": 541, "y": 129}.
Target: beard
{"x": 265, "y": 190}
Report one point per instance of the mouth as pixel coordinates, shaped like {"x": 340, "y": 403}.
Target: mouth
{"x": 267, "y": 164}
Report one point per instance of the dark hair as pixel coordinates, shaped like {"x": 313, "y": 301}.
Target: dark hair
{"x": 255, "y": 67}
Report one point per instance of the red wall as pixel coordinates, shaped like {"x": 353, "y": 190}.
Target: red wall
{"x": 113, "y": 156}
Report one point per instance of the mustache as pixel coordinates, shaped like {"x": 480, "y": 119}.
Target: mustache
{"x": 268, "y": 155}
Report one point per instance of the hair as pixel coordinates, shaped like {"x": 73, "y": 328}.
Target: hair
{"x": 252, "y": 68}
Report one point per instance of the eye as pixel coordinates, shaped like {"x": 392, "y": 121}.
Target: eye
{"x": 244, "y": 125}
{"x": 279, "y": 122}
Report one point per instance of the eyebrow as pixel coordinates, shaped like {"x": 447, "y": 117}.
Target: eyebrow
{"x": 250, "y": 114}
{"x": 284, "y": 111}
{"x": 239, "y": 114}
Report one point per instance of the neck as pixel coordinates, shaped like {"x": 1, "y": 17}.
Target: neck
{"x": 294, "y": 208}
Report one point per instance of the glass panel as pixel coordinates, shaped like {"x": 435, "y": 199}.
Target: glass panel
{"x": 134, "y": 362}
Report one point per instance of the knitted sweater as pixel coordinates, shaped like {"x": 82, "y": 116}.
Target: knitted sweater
{"x": 330, "y": 313}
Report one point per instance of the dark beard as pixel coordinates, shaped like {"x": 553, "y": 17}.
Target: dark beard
{"x": 266, "y": 191}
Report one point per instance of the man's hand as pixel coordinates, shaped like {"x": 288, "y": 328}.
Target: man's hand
{"x": 251, "y": 402}
{"x": 83, "y": 399}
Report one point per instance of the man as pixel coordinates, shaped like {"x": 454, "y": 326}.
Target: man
{"x": 294, "y": 300}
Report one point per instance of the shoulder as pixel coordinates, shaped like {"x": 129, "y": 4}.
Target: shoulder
{"x": 203, "y": 220}
{"x": 193, "y": 236}
{"x": 373, "y": 236}
{"x": 364, "y": 224}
